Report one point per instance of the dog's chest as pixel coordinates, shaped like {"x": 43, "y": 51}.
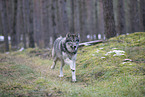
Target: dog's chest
{"x": 70, "y": 56}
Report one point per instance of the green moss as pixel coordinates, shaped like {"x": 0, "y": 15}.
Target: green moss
{"x": 99, "y": 74}
{"x": 93, "y": 60}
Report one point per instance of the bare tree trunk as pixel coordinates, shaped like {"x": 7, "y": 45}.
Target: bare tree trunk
{"x": 45, "y": 20}
{"x": 85, "y": 28}
{"x": 134, "y": 16}
{"x": 37, "y": 21}
{"x": 54, "y": 19}
{"x": 24, "y": 23}
{"x": 19, "y": 22}
{"x": 96, "y": 26}
{"x": 42, "y": 24}
{"x": 59, "y": 16}
{"x": 50, "y": 23}
{"x": 0, "y": 22}
{"x": 65, "y": 17}
{"x": 4, "y": 22}
{"x": 76, "y": 17}
{"x": 142, "y": 15}
{"x": 82, "y": 11}
{"x": 100, "y": 22}
{"x": 109, "y": 18}
{"x": 14, "y": 42}
{"x": 72, "y": 17}
{"x": 31, "y": 31}
{"x": 95, "y": 19}
{"x": 90, "y": 18}
{"x": 141, "y": 6}
{"x": 81, "y": 20}
{"x": 121, "y": 18}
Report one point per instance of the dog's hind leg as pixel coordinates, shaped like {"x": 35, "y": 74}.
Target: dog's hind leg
{"x": 61, "y": 69}
{"x": 54, "y": 62}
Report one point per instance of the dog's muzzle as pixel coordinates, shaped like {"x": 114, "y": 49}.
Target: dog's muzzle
{"x": 73, "y": 47}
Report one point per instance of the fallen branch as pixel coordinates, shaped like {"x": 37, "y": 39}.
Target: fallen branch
{"x": 90, "y": 43}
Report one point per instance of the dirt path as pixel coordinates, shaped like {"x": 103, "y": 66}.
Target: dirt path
{"x": 28, "y": 73}
{"x": 32, "y": 75}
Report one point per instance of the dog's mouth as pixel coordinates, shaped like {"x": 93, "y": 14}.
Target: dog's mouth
{"x": 74, "y": 50}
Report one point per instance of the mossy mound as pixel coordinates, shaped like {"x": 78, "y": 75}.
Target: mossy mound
{"x": 115, "y": 68}
{"x": 105, "y": 61}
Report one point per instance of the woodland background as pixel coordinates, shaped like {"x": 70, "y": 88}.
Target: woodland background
{"x": 37, "y": 23}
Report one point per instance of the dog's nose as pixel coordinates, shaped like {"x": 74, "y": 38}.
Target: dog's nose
{"x": 75, "y": 47}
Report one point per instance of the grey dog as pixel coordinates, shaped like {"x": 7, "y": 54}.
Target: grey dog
{"x": 65, "y": 50}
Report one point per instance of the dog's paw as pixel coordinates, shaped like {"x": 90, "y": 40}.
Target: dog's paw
{"x": 60, "y": 75}
{"x": 74, "y": 80}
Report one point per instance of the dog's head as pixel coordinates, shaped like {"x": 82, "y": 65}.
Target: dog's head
{"x": 72, "y": 42}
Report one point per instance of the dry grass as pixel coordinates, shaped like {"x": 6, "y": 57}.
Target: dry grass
{"x": 28, "y": 73}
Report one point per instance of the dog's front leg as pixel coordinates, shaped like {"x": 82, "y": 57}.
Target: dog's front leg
{"x": 61, "y": 68}
{"x": 72, "y": 65}
{"x": 73, "y": 72}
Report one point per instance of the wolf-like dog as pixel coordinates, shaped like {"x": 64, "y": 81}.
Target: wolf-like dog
{"x": 65, "y": 50}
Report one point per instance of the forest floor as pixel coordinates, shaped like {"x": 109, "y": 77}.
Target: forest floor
{"x": 115, "y": 68}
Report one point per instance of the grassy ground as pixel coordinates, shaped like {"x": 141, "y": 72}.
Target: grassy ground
{"x": 101, "y": 71}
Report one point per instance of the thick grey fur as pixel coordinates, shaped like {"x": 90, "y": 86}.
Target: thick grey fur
{"x": 65, "y": 50}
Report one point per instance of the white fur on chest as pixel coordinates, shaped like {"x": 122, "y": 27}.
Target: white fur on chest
{"x": 67, "y": 56}
{"x": 70, "y": 60}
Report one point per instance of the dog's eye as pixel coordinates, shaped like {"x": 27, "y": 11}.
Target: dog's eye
{"x": 69, "y": 43}
{"x": 77, "y": 40}
{"x": 68, "y": 40}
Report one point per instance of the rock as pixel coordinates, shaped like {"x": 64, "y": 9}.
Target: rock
{"x": 126, "y": 60}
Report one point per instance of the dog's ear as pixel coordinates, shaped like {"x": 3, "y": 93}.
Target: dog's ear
{"x": 77, "y": 35}
{"x": 67, "y": 35}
